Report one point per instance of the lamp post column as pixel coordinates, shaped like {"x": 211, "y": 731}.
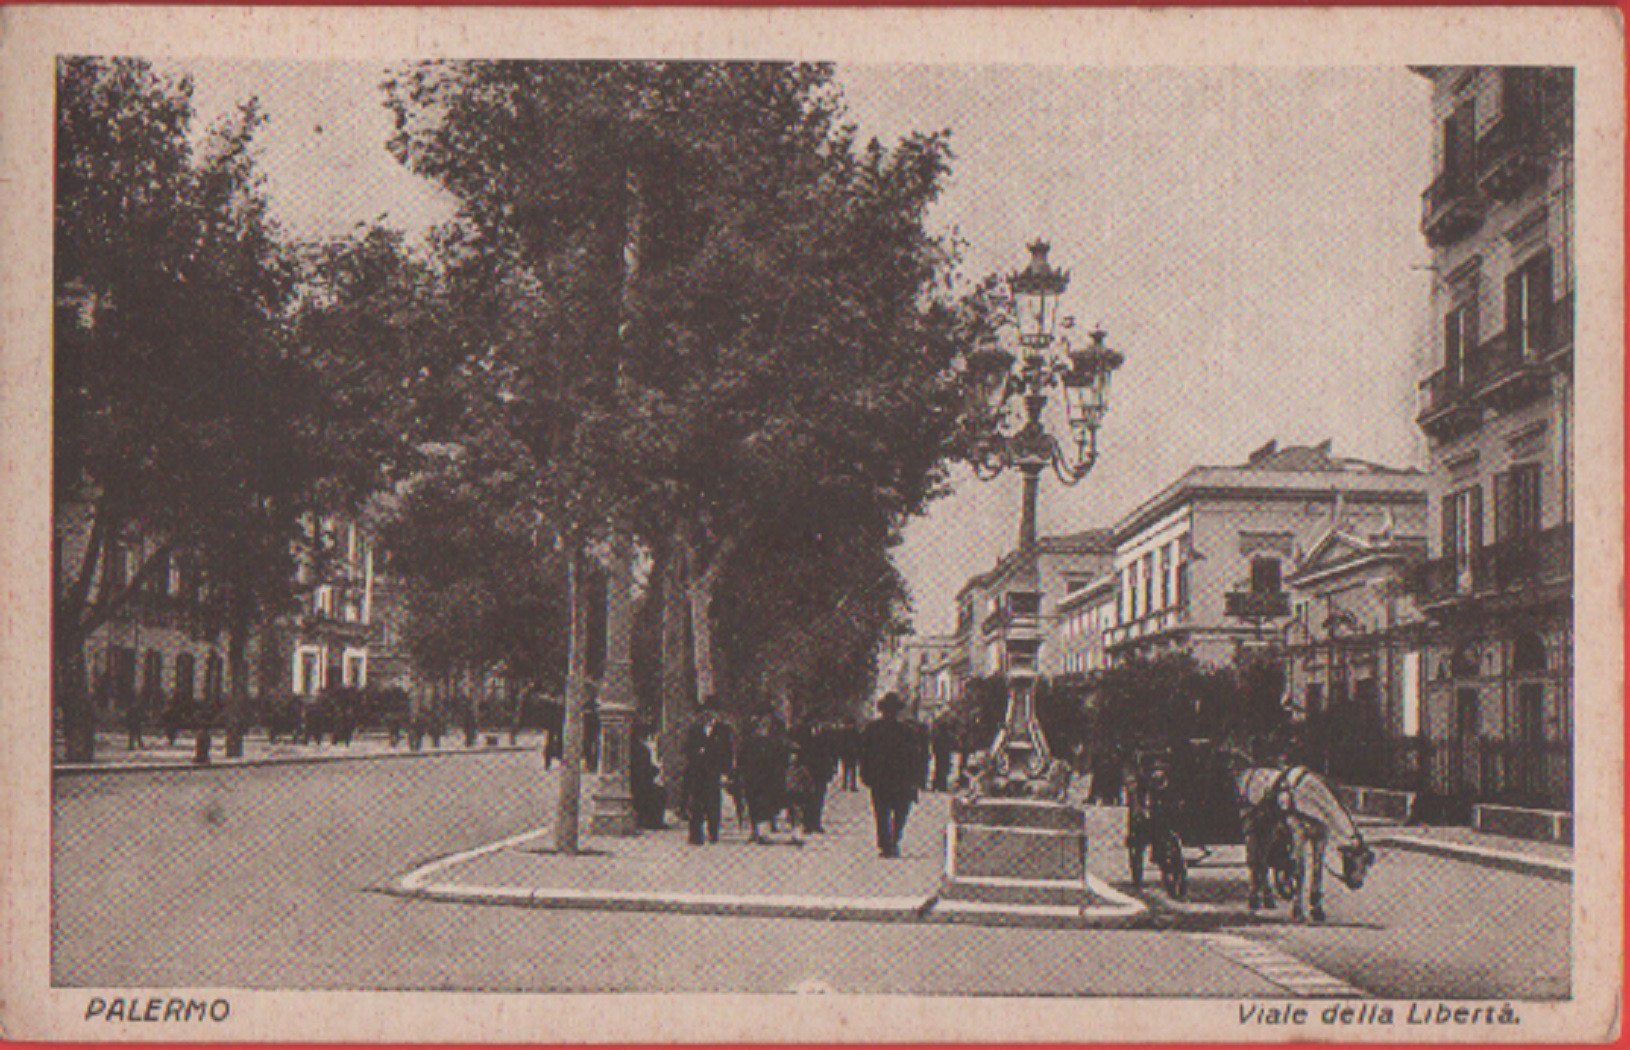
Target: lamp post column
{"x": 614, "y": 798}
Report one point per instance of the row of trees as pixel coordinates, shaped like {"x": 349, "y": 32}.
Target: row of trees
{"x": 653, "y": 407}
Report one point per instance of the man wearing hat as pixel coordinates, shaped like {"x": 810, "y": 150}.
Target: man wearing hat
{"x": 710, "y": 754}
{"x": 891, "y": 765}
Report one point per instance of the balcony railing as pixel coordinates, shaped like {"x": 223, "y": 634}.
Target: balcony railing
{"x": 1451, "y": 207}
{"x": 1514, "y": 564}
{"x": 1447, "y": 406}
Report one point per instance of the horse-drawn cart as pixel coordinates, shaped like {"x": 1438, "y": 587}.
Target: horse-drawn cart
{"x": 1184, "y": 798}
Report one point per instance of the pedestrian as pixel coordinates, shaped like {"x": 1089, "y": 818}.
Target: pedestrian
{"x": 709, "y": 752}
{"x": 814, "y": 746}
{"x": 892, "y": 765}
{"x": 764, "y": 757}
{"x": 848, "y": 737}
{"x": 943, "y": 738}
{"x": 649, "y": 804}
{"x": 133, "y": 720}
{"x": 800, "y": 793}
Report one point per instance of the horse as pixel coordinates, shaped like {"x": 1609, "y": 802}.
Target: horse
{"x": 1297, "y": 801}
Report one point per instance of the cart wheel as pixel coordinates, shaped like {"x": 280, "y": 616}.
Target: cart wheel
{"x": 1174, "y": 872}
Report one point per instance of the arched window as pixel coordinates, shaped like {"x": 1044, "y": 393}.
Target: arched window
{"x": 1527, "y": 653}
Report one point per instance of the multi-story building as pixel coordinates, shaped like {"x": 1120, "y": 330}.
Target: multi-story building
{"x": 1201, "y": 566}
{"x": 162, "y": 651}
{"x": 1497, "y": 411}
{"x": 1352, "y": 651}
{"x": 329, "y": 638}
{"x": 914, "y": 671}
{"x": 1020, "y": 597}
{"x": 1085, "y": 615}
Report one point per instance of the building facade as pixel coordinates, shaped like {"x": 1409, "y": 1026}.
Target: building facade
{"x": 1085, "y": 615}
{"x": 1497, "y": 411}
{"x": 1202, "y": 566}
{"x": 1019, "y": 599}
{"x": 1353, "y": 652}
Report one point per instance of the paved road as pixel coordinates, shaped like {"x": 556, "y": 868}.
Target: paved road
{"x": 1422, "y": 926}
{"x": 267, "y": 877}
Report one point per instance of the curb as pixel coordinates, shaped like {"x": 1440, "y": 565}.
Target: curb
{"x": 1121, "y": 910}
{"x": 1522, "y": 864}
{"x": 87, "y": 769}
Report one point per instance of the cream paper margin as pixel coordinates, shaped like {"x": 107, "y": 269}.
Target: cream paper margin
{"x": 31, "y": 38}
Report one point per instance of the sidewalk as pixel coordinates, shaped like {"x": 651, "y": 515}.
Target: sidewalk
{"x": 113, "y": 756}
{"x": 835, "y": 876}
{"x": 1544, "y": 859}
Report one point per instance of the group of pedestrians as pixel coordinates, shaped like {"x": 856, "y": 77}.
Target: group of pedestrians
{"x": 773, "y": 773}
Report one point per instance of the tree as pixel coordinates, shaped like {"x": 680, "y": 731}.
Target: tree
{"x": 745, "y": 311}
{"x": 177, "y": 434}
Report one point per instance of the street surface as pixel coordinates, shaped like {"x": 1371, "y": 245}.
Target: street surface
{"x": 269, "y": 877}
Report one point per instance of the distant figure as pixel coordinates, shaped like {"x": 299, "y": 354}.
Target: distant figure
{"x": 892, "y": 765}
{"x": 814, "y": 753}
{"x": 848, "y": 740}
{"x": 649, "y": 803}
{"x": 709, "y": 752}
{"x": 763, "y": 761}
{"x": 133, "y": 718}
{"x": 944, "y": 739}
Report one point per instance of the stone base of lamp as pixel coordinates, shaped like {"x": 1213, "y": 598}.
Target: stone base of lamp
{"x": 1020, "y": 851}
{"x": 613, "y": 813}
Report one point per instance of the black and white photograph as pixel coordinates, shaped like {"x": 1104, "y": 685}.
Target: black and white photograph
{"x": 864, "y": 526}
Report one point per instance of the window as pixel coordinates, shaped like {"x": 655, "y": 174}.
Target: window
{"x": 1459, "y": 341}
{"x": 1265, "y": 576}
{"x": 213, "y": 677}
{"x": 1160, "y": 600}
{"x": 1516, "y": 502}
{"x": 184, "y": 676}
{"x": 1528, "y": 307}
{"x": 324, "y": 601}
{"x": 1460, "y": 145}
{"x": 356, "y": 668}
{"x": 1463, "y": 531}
{"x": 307, "y": 670}
{"x": 152, "y": 676}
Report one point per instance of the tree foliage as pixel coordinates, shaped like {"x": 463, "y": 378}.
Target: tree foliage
{"x": 171, "y": 429}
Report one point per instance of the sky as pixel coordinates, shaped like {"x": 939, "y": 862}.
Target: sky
{"x": 1248, "y": 238}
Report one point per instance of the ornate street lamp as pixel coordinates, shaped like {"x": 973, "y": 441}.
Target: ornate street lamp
{"x": 1046, "y": 361}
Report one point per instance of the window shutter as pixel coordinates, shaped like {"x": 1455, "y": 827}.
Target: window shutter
{"x": 1502, "y": 507}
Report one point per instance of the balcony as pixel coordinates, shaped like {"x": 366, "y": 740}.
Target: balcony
{"x": 1018, "y": 609}
{"x": 1512, "y": 374}
{"x": 1256, "y": 605}
{"x": 1524, "y": 567}
{"x": 1451, "y": 208}
{"x": 1449, "y": 408}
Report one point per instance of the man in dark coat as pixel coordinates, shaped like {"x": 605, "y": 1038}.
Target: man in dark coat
{"x": 892, "y": 765}
{"x": 710, "y": 754}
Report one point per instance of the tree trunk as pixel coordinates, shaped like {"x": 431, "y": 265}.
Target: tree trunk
{"x": 74, "y": 704}
{"x": 674, "y": 701}
{"x": 237, "y": 662}
{"x": 577, "y": 673}
{"x": 700, "y": 593}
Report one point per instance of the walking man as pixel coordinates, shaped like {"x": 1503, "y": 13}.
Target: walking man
{"x": 892, "y": 765}
{"x": 710, "y": 752}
